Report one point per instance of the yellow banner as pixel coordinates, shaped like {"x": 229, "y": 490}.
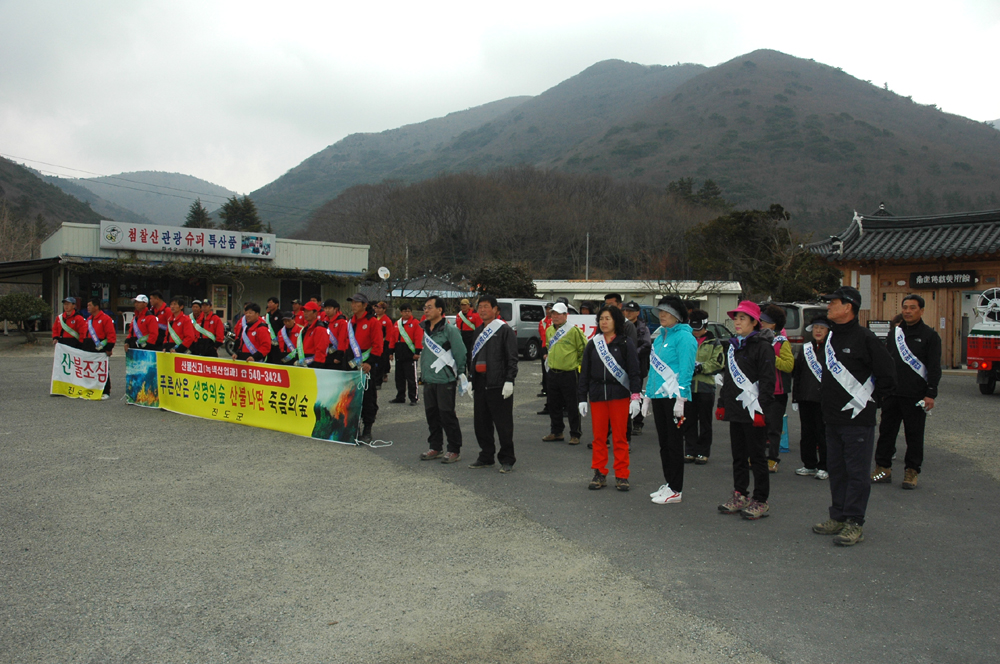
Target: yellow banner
{"x": 307, "y": 402}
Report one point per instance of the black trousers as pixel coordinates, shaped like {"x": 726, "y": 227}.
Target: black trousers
{"x": 750, "y": 442}
{"x": 672, "y": 440}
{"x": 813, "y": 435}
{"x": 545, "y": 378}
{"x": 698, "y": 436}
{"x": 369, "y": 402}
{"x": 895, "y": 411}
{"x": 491, "y": 410}
{"x": 562, "y": 396}
{"x": 406, "y": 377}
{"x": 775, "y": 417}
{"x": 439, "y": 406}
{"x": 849, "y": 457}
{"x": 89, "y": 346}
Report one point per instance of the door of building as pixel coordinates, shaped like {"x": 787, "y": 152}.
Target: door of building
{"x": 220, "y": 300}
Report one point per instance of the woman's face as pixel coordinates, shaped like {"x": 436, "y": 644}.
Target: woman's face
{"x": 743, "y": 324}
{"x": 819, "y": 332}
{"x": 607, "y": 323}
{"x": 667, "y": 319}
{"x": 767, "y": 326}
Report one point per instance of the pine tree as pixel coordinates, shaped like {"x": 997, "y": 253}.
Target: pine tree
{"x": 240, "y": 215}
{"x": 198, "y": 217}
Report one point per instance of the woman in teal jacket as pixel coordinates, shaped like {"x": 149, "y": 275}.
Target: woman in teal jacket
{"x": 668, "y": 393}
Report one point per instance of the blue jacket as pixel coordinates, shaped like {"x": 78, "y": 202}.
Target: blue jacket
{"x": 677, "y": 347}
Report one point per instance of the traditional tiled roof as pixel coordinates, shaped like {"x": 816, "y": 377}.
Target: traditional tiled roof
{"x": 888, "y": 238}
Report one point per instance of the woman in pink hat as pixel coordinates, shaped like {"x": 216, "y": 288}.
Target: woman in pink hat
{"x": 747, "y": 391}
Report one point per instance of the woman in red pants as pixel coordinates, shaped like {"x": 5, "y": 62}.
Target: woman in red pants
{"x": 610, "y": 378}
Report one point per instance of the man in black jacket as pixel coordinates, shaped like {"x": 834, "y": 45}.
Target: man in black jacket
{"x": 494, "y": 368}
{"x": 274, "y": 324}
{"x": 858, "y": 369}
{"x": 916, "y": 351}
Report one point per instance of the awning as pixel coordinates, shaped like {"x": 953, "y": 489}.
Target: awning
{"x": 26, "y": 272}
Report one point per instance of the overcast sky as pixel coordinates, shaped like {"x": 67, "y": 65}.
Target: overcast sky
{"x": 239, "y": 92}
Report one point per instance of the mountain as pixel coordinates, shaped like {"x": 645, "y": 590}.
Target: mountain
{"x": 767, "y": 127}
{"x": 27, "y": 196}
{"x": 106, "y": 209}
{"x": 995, "y": 123}
{"x": 163, "y": 198}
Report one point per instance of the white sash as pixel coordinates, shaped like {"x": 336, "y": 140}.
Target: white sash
{"x": 860, "y": 394}
{"x": 485, "y": 335}
{"x": 749, "y": 392}
{"x": 610, "y": 364}
{"x": 812, "y": 361}
{"x": 780, "y": 339}
{"x": 140, "y": 339}
{"x": 246, "y": 338}
{"x": 406, "y": 338}
{"x": 444, "y": 357}
{"x": 98, "y": 343}
{"x": 355, "y": 348}
{"x": 670, "y": 387}
{"x": 907, "y": 355}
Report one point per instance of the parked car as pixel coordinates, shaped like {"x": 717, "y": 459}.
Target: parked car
{"x": 798, "y": 315}
{"x": 652, "y": 318}
{"x": 524, "y": 315}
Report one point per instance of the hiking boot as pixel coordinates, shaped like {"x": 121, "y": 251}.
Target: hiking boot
{"x": 430, "y": 455}
{"x": 541, "y": 394}
{"x": 700, "y": 460}
{"x": 882, "y": 475}
{"x": 910, "y": 478}
{"x": 451, "y": 457}
{"x": 553, "y": 436}
{"x": 636, "y": 429}
{"x": 621, "y": 483}
{"x": 575, "y": 440}
{"x": 688, "y": 458}
{"x": 850, "y": 535}
{"x": 366, "y": 434}
{"x": 413, "y": 402}
{"x": 805, "y": 471}
{"x": 481, "y": 464}
{"x": 507, "y": 468}
{"x": 599, "y": 481}
{"x": 822, "y": 475}
{"x": 734, "y": 504}
{"x": 772, "y": 466}
{"x": 754, "y": 510}
{"x": 828, "y": 527}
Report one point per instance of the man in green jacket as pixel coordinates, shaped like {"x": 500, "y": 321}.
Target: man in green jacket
{"x": 708, "y": 363}
{"x": 565, "y": 344}
{"x": 442, "y": 365}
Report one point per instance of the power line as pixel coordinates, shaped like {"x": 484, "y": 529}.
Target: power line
{"x": 148, "y": 184}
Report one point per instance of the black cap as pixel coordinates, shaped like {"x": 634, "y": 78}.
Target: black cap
{"x": 358, "y": 297}
{"x": 822, "y": 321}
{"x": 845, "y": 294}
{"x": 698, "y": 319}
{"x": 285, "y": 315}
{"x": 563, "y": 300}
{"x": 296, "y": 301}
{"x": 632, "y": 306}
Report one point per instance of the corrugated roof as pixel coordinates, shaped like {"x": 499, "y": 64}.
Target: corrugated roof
{"x": 887, "y": 238}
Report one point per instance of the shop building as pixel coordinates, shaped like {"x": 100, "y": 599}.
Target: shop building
{"x": 946, "y": 259}
{"x": 116, "y": 262}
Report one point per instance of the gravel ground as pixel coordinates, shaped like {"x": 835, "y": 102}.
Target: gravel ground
{"x": 138, "y": 535}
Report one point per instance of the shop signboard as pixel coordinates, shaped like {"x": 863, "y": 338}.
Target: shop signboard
{"x": 175, "y": 239}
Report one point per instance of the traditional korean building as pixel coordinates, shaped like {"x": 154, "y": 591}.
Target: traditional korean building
{"x": 947, "y": 259}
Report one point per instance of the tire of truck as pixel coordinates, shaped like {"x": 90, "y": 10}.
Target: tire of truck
{"x": 532, "y": 350}
{"x": 987, "y": 383}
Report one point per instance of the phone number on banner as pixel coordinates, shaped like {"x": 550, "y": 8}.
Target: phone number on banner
{"x": 246, "y": 373}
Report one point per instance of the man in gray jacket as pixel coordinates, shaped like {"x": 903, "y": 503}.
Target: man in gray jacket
{"x": 442, "y": 364}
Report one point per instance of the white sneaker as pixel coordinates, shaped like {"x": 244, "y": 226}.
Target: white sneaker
{"x": 805, "y": 471}
{"x": 668, "y": 497}
{"x": 105, "y": 397}
{"x": 822, "y": 475}
{"x": 663, "y": 489}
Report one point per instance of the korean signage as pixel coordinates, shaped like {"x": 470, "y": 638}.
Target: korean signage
{"x": 176, "y": 239}
{"x": 954, "y": 279}
{"x": 316, "y": 403}
{"x": 78, "y": 374}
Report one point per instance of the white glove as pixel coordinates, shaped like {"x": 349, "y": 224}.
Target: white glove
{"x": 583, "y": 409}
{"x": 679, "y": 407}
{"x": 508, "y": 390}
{"x": 795, "y": 407}
{"x": 634, "y": 407}
{"x": 647, "y": 405}
{"x": 464, "y": 386}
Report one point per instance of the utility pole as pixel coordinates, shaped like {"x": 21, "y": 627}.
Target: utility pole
{"x": 407, "y": 270}
{"x": 586, "y": 274}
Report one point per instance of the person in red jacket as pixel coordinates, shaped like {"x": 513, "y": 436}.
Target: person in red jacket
{"x": 288, "y": 337}
{"x": 407, "y": 342}
{"x": 323, "y": 318}
{"x": 336, "y": 322}
{"x": 316, "y": 340}
{"x": 162, "y": 312}
{"x": 253, "y": 339}
{"x": 100, "y": 336}
{"x": 364, "y": 351}
{"x": 298, "y": 313}
{"x": 181, "y": 335}
{"x": 212, "y": 333}
{"x": 387, "y": 340}
{"x": 143, "y": 331}
{"x": 467, "y": 320}
{"x": 69, "y": 327}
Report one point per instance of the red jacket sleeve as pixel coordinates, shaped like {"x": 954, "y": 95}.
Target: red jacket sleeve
{"x": 322, "y": 337}
{"x": 377, "y": 340}
{"x": 150, "y": 327}
{"x": 188, "y": 334}
{"x": 218, "y": 329}
{"x": 262, "y": 339}
{"x": 108, "y": 328}
{"x": 418, "y": 337}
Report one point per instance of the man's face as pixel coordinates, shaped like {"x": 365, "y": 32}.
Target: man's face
{"x": 487, "y": 312}
{"x": 379, "y": 309}
{"x": 631, "y": 315}
{"x": 271, "y": 307}
{"x": 357, "y": 308}
{"x": 433, "y": 313}
{"x": 175, "y": 308}
{"x": 289, "y": 322}
{"x": 252, "y": 316}
{"x": 612, "y": 302}
{"x": 139, "y": 307}
{"x": 559, "y": 319}
{"x": 465, "y": 307}
{"x": 912, "y": 312}
{"x": 155, "y": 301}
{"x": 406, "y": 314}
{"x": 196, "y": 310}
{"x": 330, "y": 312}
{"x": 839, "y": 311}
{"x": 311, "y": 316}
{"x": 93, "y": 309}
{"x": 295, "y": 307}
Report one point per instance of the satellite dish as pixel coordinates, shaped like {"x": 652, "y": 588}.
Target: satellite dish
{"x": 383, "y": 273}
{"x": 988, "y": 304}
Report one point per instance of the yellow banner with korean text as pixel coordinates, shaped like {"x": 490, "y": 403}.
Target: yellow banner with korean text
{"x": 307, "y": 402}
